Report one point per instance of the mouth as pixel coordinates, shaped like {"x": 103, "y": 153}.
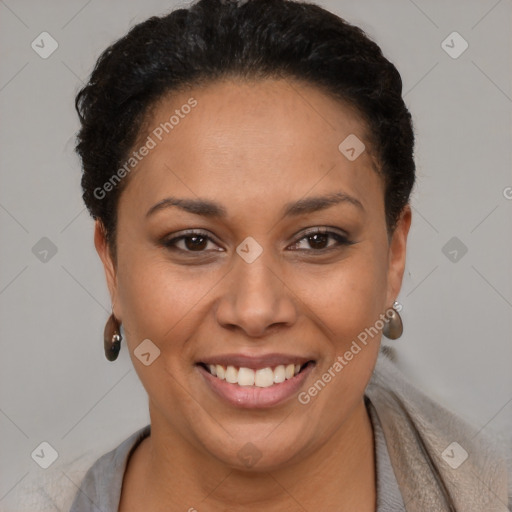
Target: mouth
{"x": 262, "y": 377}
{"x": 255, "y": 383}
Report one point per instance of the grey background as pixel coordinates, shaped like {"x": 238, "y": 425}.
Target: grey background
{"x": 56, "y": 385}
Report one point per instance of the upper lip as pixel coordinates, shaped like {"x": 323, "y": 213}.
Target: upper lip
{"x": 261, "y": 361}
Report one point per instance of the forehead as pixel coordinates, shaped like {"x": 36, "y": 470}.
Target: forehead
{"x": 242, "y": 141}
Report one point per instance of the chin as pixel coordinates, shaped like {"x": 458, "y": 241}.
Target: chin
{"x": 257, "y": 447}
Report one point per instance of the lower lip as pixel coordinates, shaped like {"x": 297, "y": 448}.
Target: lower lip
{"x": 253, "y": 397}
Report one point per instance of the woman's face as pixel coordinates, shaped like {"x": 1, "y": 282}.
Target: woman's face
{"x": 253, "y": 280}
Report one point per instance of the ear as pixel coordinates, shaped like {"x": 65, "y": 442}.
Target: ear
{"x": 396, "y": 255}
{"x": 103, "y": 250}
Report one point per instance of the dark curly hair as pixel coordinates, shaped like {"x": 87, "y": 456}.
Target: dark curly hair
{"x": 251, "y": 39}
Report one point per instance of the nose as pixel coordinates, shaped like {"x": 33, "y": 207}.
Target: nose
{"x": 256, "y": 298}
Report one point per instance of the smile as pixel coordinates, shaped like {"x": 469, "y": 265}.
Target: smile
{"x": 261, "y": 377}
{"x": 258, "y": 387}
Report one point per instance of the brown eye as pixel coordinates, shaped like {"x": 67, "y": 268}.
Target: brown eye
{"x": 191, "y": 242}
{"x": 319, "y": 241}
{"x": 195, "y": 243}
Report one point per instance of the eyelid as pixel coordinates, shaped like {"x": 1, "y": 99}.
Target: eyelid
{"x": 170, "y": 242}
{"x": 342, "y": 239}
{"x": 324, "y": 230}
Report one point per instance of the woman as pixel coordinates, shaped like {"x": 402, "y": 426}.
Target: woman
{"x": 249, "y": 167}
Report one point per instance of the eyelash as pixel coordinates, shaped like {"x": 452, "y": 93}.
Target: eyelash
{"x": 340, "y": 239}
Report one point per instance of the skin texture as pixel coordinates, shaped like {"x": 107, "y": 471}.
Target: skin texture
{"x": 253, "y": 147}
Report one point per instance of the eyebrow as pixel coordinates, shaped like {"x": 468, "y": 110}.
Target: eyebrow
{"x": 208, "y": 208}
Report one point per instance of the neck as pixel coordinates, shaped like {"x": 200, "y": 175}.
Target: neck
{"x": 167, "y": 472}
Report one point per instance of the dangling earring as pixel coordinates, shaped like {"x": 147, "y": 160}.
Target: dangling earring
{"x": 393, "y": 326}
{"x": 112, "y": 337}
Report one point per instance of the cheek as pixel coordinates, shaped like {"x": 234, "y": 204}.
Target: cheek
{"x": 348, "y": 296}
{"x": 161, "y": 301}
{"x": 349, "y": 304}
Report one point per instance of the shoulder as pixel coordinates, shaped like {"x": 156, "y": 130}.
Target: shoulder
{"x": 101, "y": 485}
{"x": 79, "y": 483}
{"x": 432, "y": 449}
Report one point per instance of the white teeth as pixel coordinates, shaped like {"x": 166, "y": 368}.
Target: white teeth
{"x": 231, "y": 375}
{"x": 279, "y": 374}
{"x": 245, "y": 377}
{"x": 221, "y": 372}
{"x": 262, "y": 378}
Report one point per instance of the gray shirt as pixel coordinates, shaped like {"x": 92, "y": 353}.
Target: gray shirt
{"x": 101, "y": 487}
